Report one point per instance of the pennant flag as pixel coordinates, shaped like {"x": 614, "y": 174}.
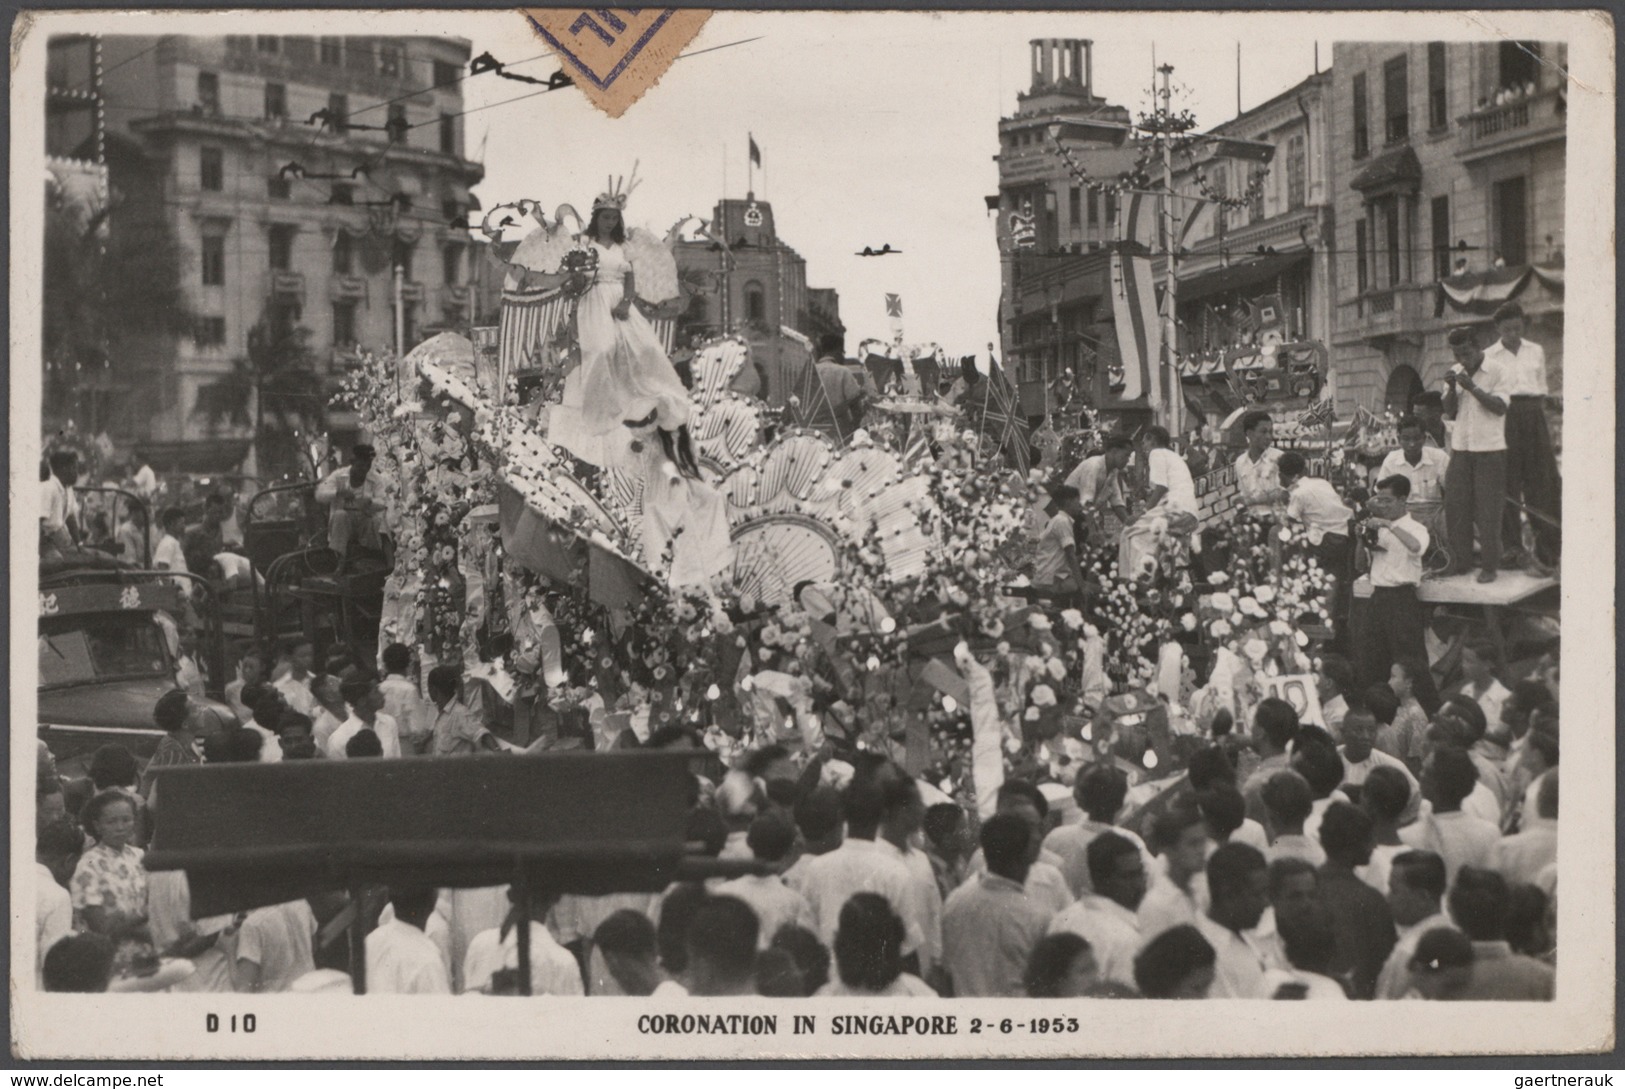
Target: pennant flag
{"x": 992, "y": 404}
{"x": 1318, "y": 414}
{"x": 1139, "y": 329}
{"x": 755, "y": 153}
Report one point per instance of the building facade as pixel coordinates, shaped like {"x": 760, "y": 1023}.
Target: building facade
{"x": 1449, "y": 164}
{"x": 1054, "y": 231}
{"x": 297, "y": 174}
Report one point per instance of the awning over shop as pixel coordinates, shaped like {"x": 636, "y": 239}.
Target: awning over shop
{"x": 1243, "y": 274}
{"x": 1397, "y": 169}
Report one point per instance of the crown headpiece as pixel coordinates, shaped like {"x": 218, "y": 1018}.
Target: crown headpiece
{"x": 619, "y": 189}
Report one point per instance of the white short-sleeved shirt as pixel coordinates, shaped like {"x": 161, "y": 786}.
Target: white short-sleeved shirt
{"x": 53, "y": 915}
{"x": 169, "y": 556}
{"x": 553, "y": 968}
{"x": 1049, "y": 565}
{"x": 858, "y": 865}
{"x": 279, "y": 939}
{"x": 1524, "y": 369}
{"x": 1316, "y": 504}
{"x": 1257, "y": 482}
{"x": 402, "y": 960}
{"x": 776, "y": 904}
{"x": 1426, "y": 476}
{"x": 389, "y": 736}
{"x": 1393, "y": 564}
{"x": 1168, "y": 470}
{"x": 1478, "y": 430}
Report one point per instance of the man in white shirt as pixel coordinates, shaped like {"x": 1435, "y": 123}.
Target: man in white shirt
{"x": 1476, "y": 482}
{"x": 1099, "y": 791}
{"x": 356, "y": 506}
{"x": 1426, "y": 467}
{"x": 1395, "y": 621}
{"x": 1258, "y": 474}
{"x": 1448, "y": 777}
{"x": 1107, "y": 918}
{"x": 1315, "y": 504}
{"x": 169, "y": 555}
{"x": 900, "y": 828}
{"x": 859, "y": 865}
{"x": 295, "y": 684}
{"x": 1520, "y": 858}
{"x": 1239, "y": 884}
{"x": 1099, "y": 479}
{"x": 770, "y": 838}
{"x": 274, "y": 948}
{"x": 1178, "y": 894}
{"x": 553, "y": 968}
{"x": 1416, "y": 884}
{"x": 1359, "y": 753}
{"x": 1531, "y": 463}
{"x": 1171, "y": 512}
{"x": 56, "y": 851}
{"x": 1055, "y": 561}
{"x": 60, "y": 516}
{"x": 1044, "y": 884}
{"x": 400, "y": 957}
{"x": 402, "y": 701}
{"x": 366, "y": 705}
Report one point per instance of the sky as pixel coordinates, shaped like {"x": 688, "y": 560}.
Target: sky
{"x": 873, "y": 128}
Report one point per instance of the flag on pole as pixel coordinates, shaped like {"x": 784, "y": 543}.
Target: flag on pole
{"x": 894, "y": 306}
{"x": 755, "y": 153}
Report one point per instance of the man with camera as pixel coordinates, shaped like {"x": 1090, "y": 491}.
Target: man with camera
{"x": 1475, "y": 483}
{"x": 1394, "y": 618}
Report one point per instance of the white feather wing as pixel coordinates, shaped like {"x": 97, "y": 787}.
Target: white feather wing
{"x": 654, "y": 265}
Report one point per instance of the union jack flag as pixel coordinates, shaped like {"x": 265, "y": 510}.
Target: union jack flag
{"x": 991, "y": 405}
{"x": 1318, "y": 414}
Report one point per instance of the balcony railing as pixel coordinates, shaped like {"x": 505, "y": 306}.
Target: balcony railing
{"x": 1519, "y": 122}
{"x": 1391, "y": 311}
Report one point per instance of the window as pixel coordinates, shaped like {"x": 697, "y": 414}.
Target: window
{"x": 278, "y": 187}
{"x": 213, "y": 264}
{"x": 1362, "y": 138}
{"x": 285, "y": 317}
{"x": 209, "y": 332}
{"x": 755, "y": 302}
{"x": 343, "y": 193}
{"x": 1391, "y": 234}
{"x": 331, "y": 52}
{"x": 1074, "y": 207}
{"x": 343, "y": 254}
{"x": 299, "y": 50}
{"x": 70, "y": 65}
{"x": 397, "y": 123}
{"x": 1519, "y": 65}
{"x": 1509, "y": 208}
{"x": 445, "y": 73}
{"x": 1438, "y": 104}
{"x": 276, "y": 101}
{"x": 1362, "y": 272}
{"x": 1396, "y": 89}
{"x": 339, "y": 107}
{"x": 269, "y": 45}
{"x": 451, "y": 210}
{"x": 404, "y": 251}
{"x": 343, "y": 324}
{"x": 454, "y": 316}
{"x": 409, "y": 324}
{"x": 281, "y": 245}
{"x": 1255, "y": 200}
{"x": 358, "y": 56}
{"x": 208, "y": 93}
{"x": 448, "y": 134}
{"x": 389, "y": 60}
{"x": 1296, "y": 165}
{"x": 1111, "y": 206}
{"x": 1094, "y": 207}
{"x": 212, "y": 169}
{"x": 451, "y": 265}
{"x": 70, "y": 129}
{"x": 1439, "y": 221}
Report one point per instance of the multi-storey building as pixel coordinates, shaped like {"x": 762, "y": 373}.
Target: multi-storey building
{"x": 1449, "y": 160}
{"x": 297, "y": 174}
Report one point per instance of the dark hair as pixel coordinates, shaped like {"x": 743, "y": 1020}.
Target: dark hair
{"x": 1414, "y": 668}
{"x": 293, "y": 720}
{"x": 1063, "y": 494}
{"x": 626, "y": 932}
{"x": 1440, "y": 949}
{"x": 1340, "y": 671}
{"x": 778, "y": 975}
{"x": 59, "y": 837}
{"x": 1251, "y": 420}
{"x": 1422, "y": 870}
{"x": 170, "y": 712}
{"x": 413, "y": 904}
{"x": 1169, "y": 959}
{"x": 354, "y": 689}
{"x": 364, "y": 743}
{"x": 723, "y": 934}
{"x": 832, "y": 344}
{"x": 1171, "y": 824}
{"x": 79, "y": 964}
{"x": 113, "y": 765}
{"x": 1507, "y": 311}
{"x": 242, "y": 746}
{"x": 1157, "y": 435}
{"x": 1288, "y": 799}
{"x": 397, "y": 658}
{"x": 1380, "y": 700}
{"x": 678, "y": 912}
{"x": 1309, "y": 937}
{"x": 1396, "y": 485}
{"x": 1230, "y": 867}
{"x": 706, "y": 826}
{"x": 1320, "y": 765}
{"x": 759, "y": 760}
{"x": 1100, "y": 789}
{"x": 1223, "y": 808}
{"x": 1454, "y": 775}
{"x": 1051, "y": 962}
{"x": 1005, "y": 842}
{"x": 809, "y": 953}
{"x": 264, "y": 702}
{"x": 1117, "y": 441}
{"x": 617, "y": 234}
{"x": 1479, "y": 902}
{"x": 1461, "y": 334}
{"x": 1405, "y": 424}
{"x": 1292, "y": 463}
{"x": 1546, "y": 795}
{"x": 98, "y": 804}
{"x": 1526, "y": 920}
{"x": 1386, "y": 792}
{"x": 869, "y": 943}
{"x": 444, "y": 678}
{"x": 1467, "y": 709}
{"x": 771, "y": 836}
{"x": 1102, "y": 854}
{"x": 1344, "y": 830}
{"x": 1283, "y": 870}
{"x": 818, "y": 815}
{"x": 864, "y": 804}
{"x": 943, "y": 820}
{"x": 63, "y": 459}
{"x": 1022, "y": 790}
{"x": 1207, "y": 767}
{"x": 1544, "y": 742}
{"x": 1278, "y": 719}
{"x": 1532, "y": 695}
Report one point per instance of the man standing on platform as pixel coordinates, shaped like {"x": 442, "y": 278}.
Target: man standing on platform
{"x": 1475, "y": 484}
{"x": 1316, "y": 504}
{"x": 1425, "y": 468}
{"x": 1531, "y": 465}
{"x": 1395, "y": 620}
{"x": 1258, "y": 473}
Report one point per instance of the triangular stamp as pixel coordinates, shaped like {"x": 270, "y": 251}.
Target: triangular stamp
{"x": 616, "y": 54}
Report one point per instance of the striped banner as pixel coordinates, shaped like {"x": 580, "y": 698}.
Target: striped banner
{"x": 531, "y": 318}
{"x": 1139, "y": 331}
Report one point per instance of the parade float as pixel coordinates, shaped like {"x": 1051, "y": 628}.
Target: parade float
{"x": 863, "y": 596}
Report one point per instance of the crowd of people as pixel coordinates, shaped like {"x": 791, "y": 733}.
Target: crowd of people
{"x": 1390, "y": 855}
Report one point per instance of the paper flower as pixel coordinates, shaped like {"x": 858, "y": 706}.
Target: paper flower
{"x": 1221, "y": 602}
{"x": 1039, "y": 622}
{"x": 1072, "y": 618}
{"x": 1221, "y": 628}
{"x": 1188, "y": 622}
{"x": 1265, "y": 593}
{"x": 1043, "y": 696}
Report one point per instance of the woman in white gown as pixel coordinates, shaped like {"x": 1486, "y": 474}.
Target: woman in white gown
{"x": 622, "y": 360}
